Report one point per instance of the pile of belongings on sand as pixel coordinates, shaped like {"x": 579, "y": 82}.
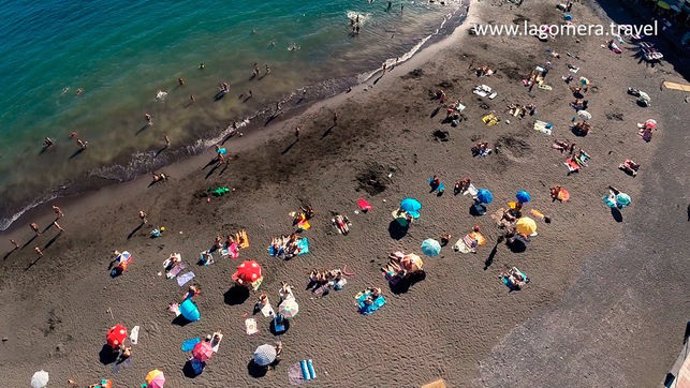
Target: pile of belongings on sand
{"x": 287, "y": 247}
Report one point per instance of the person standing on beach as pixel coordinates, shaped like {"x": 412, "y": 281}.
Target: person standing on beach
{"x": 255, "y": 70}
{"x": 58, "y": 212}
{"x": 58, "y": 226}
{"x": 143, "y": 217}
{"x": 167, "y": 141}
{"x": 14, "y": 242}
{"x": 191, "y": 98}
{"x": 202, "y": 66}
{"x": 180, "y": 81}
{"x": 39, "y": 251}
{"x": 34, "y": 227}
{"x": 297, "y": 130}
{"x": 82, "y": 144}
{"x": 149, "y": 119}
{"x": 335, "y": 119}
{"x": 268, "y": 70}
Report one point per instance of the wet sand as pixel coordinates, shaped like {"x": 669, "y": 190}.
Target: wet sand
{"x": 624, "y": 281}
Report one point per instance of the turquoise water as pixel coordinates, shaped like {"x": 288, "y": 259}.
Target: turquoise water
{"x": 121, "y": 53}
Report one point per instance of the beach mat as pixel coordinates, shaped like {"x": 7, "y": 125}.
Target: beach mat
{"x": 677, "y": 86}
{"x": 440, "y": 383}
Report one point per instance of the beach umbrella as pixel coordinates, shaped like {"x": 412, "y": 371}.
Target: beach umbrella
{"x": 189, "y": 310}
{"x": 411, "y": 206}
{"x": 484, "y": 196}
{"x": 202, "y": 351}
{"x": 651, "y": 124}
{"x": 116, "y": 336}
{"x": 523, "y": 196}
{"x": 584, "y": 81}
{"x": 526, "y": 226}
{"x": 431, "y": 247}
{"x": 155, "y": 379}
{"x": 412, "y": 262}
{"x": 39, "y": 379}
{"x": 247, "y": 272}
{"x": 265, "y": 355}
{"x": 289, "y": 308}
{"x": 584, "y": 115}
{"x": 623, "y": 200}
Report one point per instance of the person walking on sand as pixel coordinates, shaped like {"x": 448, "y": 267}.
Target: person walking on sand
{"x": 335, "y": 119}
{"x": 58, "y": 212}
{"x": 268, "y": 70}
{"x": 82, "y": 144}
{"x": 143, "y": 217}
{"x": 39, "y": 251}
{"x": 15, "y": 243}
{"x": 167, "y": 141}
{"x": 58, "y": 226}
{"x": 34, "y": 227}
{"x": 180, "y": 81}
{"x": 191, "y": 98}
{"x": 255, "y": 70}
{"x": 297, "y": 130}
{"x": 149, "y": 119}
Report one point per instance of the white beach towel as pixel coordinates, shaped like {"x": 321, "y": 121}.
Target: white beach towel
{"x": 134, "y": 335}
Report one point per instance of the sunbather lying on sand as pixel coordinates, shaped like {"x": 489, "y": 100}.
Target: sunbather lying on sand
{"x": 342, "y": 223}
{"x": 481, "y": 149}
{"x": 514, "y": 277}
{"x": 629, "y": 167}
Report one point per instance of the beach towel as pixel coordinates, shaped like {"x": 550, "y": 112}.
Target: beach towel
{"x": 507, "y": 282}
{"x": 242, "y": 238}
{"x": 184, "y": 278}
{"x": 677, "y": 86}
{"x": 572, "y": 165}
{"x": 363, "y": 205}
{"x": 188, "y": 344}
{"x": 471, "y": 190}
{"x": 232, "y": 250}
{"x": 176, "y": 270}
{"x": 267, "y": 310}
{"x": 303, "y": 245}
{"x": 543, "y": 127}
{"x": 250, "y": 326}
{"x": 368, "y": 309}
{"x": 134, "y": 335}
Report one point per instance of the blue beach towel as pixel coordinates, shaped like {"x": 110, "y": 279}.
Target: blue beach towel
{"x": 303, "y": 245}
{"x": 188, "y": 344}
{"x": 371, "y": 308}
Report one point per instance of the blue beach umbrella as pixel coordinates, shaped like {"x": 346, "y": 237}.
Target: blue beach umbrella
{"x": 623, "y": 200}
{"x": 523, "y": 196}
{"x": 411, "y": 206}
{"x": 484, "y": 196}
{"x": 189, "y": 310}
{"x": 431, "y": 247}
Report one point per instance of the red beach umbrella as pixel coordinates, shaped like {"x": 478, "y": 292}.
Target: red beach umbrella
{"x": 202, "y": 351}
{"x": 247, "y": 272}
{"x": 116, "y": 336}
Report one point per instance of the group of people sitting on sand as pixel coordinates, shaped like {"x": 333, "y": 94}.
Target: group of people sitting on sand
{"x": 582, "y": 128}
{"x": 520, "y": 111}
{"x": 285, "y": 247}
{"x": 322, "y": 281}
{"x": 481, "y": 149}
{"x": 514, "y": 278}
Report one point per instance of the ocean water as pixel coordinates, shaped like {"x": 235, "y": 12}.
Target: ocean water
{"x": 120, "y": 54}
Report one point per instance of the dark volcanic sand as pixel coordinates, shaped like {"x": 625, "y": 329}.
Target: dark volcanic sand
{"x": 607, "y": 304}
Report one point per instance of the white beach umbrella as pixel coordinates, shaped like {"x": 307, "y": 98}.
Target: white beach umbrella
{"x": 39, "y": 379}
{"x": 289, "y": 308}
{"x": 583, "y": 114}
{"x": 265, "y": 355}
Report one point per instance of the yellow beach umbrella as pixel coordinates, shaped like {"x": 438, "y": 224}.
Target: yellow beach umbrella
{"x": 526, "y": 226}
{"x": 155, "y": 379}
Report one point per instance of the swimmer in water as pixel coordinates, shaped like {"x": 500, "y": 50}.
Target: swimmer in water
{"x": 79, "y": 92}
{"x": 202, "y": 66}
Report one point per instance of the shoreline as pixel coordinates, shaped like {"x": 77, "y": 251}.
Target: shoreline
{"x": 129, "y": 167}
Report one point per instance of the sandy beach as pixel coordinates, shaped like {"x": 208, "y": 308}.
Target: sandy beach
{"x": 607, "y": 300}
